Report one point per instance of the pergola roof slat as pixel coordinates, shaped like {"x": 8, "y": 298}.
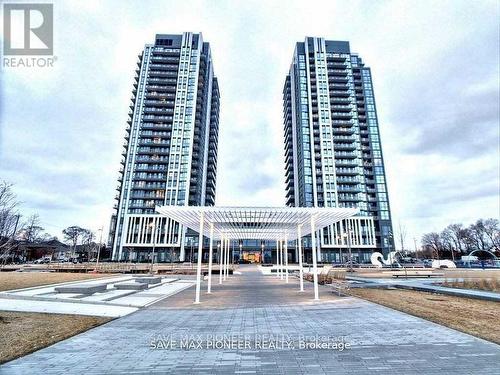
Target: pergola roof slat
{"x": 265, "y": 223}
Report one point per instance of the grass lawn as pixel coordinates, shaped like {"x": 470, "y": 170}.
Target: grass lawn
{"x": 19, "y": 280}
{"x": 491, "y": 285}
{"x": 24, "y": 333}
{"x": 448, "y": 272}
{"x": 475, "y": 317}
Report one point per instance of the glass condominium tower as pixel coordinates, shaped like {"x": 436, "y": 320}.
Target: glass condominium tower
{"x": 333, "y": 154}
{"x": 170, "y": 149}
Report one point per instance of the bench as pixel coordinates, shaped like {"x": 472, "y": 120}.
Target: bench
{"x": 340, "y": 288}
{"x": 81, "y": 289}
{"x": 416, "y": 274}
{"x": 131, "y": 286}
{"x": 148, "y": 279}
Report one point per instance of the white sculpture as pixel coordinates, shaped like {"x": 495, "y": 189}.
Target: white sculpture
{"x": 443, "y": 264}
{"x": 377, "y": 257}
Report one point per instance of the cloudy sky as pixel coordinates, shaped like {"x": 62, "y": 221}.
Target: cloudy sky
{"x": 435, "y": 67}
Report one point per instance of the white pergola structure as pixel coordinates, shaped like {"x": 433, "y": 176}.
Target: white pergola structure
{"x": 280, "y": 224}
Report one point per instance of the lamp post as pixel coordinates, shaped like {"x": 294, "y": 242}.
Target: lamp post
{"x": 262, "y": 253}
{"x": 153, "y": 232}
{"x": 239, "y": 256}
{"x": 341, "y": 243}
{"x": 348, "y": 235}
{"x": 99, "y": 249}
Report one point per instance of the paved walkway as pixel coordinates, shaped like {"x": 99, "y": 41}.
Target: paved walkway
{"x": 249, "y": 308}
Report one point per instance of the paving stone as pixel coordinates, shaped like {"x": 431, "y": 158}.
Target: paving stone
{"x": 384, "y": 341}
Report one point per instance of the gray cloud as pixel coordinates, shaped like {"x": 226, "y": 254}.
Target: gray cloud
{"x": 435, "y": 70}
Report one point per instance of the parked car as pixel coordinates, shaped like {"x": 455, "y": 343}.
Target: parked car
{"x": 43, "y": 260}
{"x": 427, "y": 263}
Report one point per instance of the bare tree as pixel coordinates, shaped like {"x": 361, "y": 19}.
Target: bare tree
{"x": 9, "y": 215}
{"x": 9, "y": 220}
{"x": 454, "y": 239}
{"x": 484, "y": 235}
{"x": 458, "y": 234}
{"x": 491, "y": 229}
{"x": 432, "y": 241}
{"x": 478, "y": 235}
{"x": 88, "y": 242}
{"x": 72, "y": 235}
{"x": 447, "y": 242}
{"x": 32, "y": 231}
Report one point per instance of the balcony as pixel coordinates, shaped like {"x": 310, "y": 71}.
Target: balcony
{"x": 343, "y": 108}
{"x": 161, "y": 74}
{"x": 345, "y": 147}
{"x": 345, "y": 155}
{"x": 343, "y": 131}
{"x": 341, "y": 93}
{"x": 335, "y": 100}
{"x": 346, "y": 163}
{"x": 348, "y": 180}
{"x": 164, "y": 67}
{"x": 349, "y": 189}
{"x": 342, "y": 115}
{"x": 337, "y": 79}
{"x": 164, "y": 89}
{"x": 157, "y": 118}
{"x": 348, "y": 198}
{"x": 346, "y": 171}
{"x": 160, "y": 103}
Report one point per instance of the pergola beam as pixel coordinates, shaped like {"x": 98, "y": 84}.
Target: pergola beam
{"x": 280, "y": 224}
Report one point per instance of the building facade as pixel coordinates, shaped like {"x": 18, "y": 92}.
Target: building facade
{"x": 333, "y": 154}
{"x": 170, "y": 149}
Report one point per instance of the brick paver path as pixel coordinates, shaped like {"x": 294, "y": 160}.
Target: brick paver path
{"x": 271, "y": 319}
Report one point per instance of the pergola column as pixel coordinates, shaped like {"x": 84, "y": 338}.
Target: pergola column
{"x": 221, "y": 252}
{"x": 318, "y": 245}
{"x": 314, "y": 256}
{"x": 210, "y": 255}
{"x": 282, "y": 261}
{"x": 278, "y": 271}
{"x": 301, "y": 271}
{"x": 224, "y": 243}
{"x": 226, "y": 275}
{"x": 198, "y": 268}
{"x": 286, "y": 258}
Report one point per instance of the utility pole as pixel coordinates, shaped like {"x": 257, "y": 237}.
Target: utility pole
{"x": 416, "y": 252}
